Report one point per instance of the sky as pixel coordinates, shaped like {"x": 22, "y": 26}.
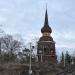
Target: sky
{"x": 25, "y": 18}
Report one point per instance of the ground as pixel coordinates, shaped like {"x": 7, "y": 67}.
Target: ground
{"x": 38, "y": 69}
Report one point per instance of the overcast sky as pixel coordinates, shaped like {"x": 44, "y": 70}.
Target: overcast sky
{"x": 26, "y": 18}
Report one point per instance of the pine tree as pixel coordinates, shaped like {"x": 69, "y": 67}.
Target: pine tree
{"x": 62, "y": 57}
{"x": 67, "y": 58}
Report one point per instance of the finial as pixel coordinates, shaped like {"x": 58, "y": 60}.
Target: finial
{"x": 46, "y": 6}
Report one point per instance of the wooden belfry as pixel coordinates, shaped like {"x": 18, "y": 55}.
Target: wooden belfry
{"x": 46, "y": 45}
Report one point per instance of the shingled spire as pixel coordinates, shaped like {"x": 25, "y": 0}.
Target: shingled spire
{"x": 46, "y": 18}
{"x": 46, "y": 27}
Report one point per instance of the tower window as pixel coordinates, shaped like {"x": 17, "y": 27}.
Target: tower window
{"x": 40, "y": 51}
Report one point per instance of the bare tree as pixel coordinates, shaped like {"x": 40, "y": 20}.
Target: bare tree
{"x": 10, "y": 46}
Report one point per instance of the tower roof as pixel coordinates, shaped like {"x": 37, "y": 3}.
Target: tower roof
{"x": 46, "y": 27}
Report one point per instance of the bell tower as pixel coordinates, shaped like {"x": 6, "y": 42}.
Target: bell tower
{"x": 46, "y": 45}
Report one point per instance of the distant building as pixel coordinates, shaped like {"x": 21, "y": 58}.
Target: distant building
{"x": 46, "y": 45}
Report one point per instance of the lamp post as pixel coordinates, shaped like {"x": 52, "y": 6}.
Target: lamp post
{"x": 72, "y": 59}
{"x": 30, "y": 71}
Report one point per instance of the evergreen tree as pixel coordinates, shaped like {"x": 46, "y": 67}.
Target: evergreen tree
{"x": 67, "y": 58}
{"x": 62, "y": 57}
